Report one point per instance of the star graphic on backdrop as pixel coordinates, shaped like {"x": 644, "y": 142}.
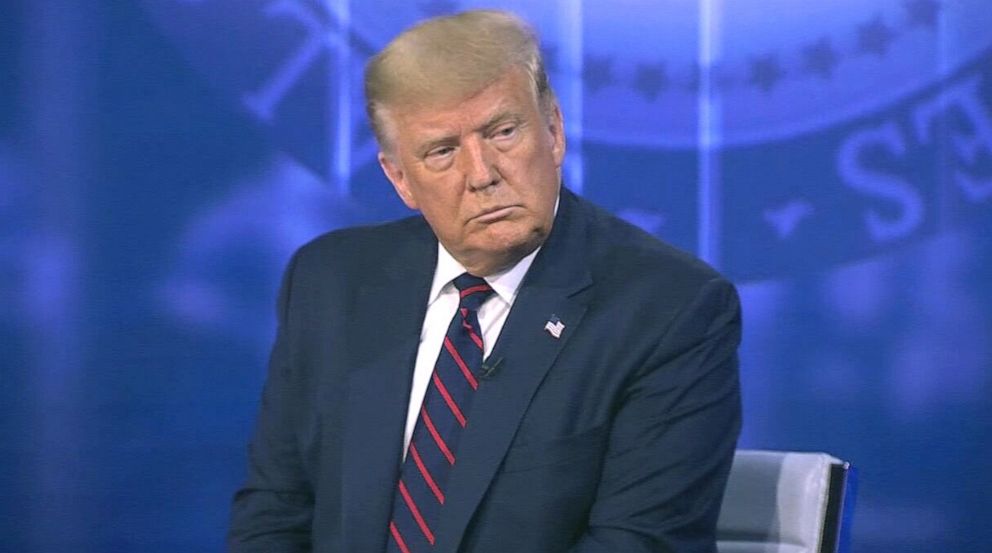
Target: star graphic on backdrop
{"x": 922, "y": 13}
{"x": 434, "y": 8}
{"x": 787, "y": 217}
{"x": 875, "y": 37}
{"x": 820, "y": 58}
{"x": 765, "y": 72}
{"x": 549, "y": 53}
{"x": 650, "y": 80}
{"x": 597, "y": 72}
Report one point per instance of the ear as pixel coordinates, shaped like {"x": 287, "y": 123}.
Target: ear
{"x": 557, "y": 129}
{"x": 396, "y": 176}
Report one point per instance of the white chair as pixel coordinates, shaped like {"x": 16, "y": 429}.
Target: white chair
{"x": 786, "y": 502}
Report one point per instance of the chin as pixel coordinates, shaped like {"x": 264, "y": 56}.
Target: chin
{"x": 504, "y": 243}
{"x": 519, "y": 242}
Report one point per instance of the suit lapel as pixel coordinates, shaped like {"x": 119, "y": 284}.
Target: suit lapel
{"x": 525, "y": 352}
{"x": 384, "y": 336}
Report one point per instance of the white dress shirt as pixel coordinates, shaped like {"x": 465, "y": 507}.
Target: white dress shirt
{"x": 442, "y": 303}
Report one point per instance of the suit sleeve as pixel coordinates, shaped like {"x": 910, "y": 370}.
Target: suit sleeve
{"x": 673, "y": 437}
{"x": 272, "y": 512}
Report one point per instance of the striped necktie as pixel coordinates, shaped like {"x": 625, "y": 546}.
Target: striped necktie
{"x": 433, "y": 448}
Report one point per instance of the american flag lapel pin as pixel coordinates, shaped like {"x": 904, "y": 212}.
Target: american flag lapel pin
{"x": 554, "y": 326}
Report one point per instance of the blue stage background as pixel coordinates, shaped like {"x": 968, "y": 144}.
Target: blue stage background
{"x": 160, "y": 160}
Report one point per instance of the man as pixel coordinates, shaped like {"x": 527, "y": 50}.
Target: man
{"x": 583, "y": 397}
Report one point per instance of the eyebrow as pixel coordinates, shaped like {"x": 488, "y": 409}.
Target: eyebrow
{"x": 426, "y": 147}
{"x": 448, "y": 140}
{"x": 499, "y": 118}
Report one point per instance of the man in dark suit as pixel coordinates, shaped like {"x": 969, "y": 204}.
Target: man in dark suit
{"x": 583, "y": 398}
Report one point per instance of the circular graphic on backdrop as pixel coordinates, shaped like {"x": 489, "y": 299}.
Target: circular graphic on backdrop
{"x": 840, "y": 128}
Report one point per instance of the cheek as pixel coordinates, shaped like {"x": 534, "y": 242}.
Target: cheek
{"x": 541, "y": 180}
{"x": 442, "y": 209}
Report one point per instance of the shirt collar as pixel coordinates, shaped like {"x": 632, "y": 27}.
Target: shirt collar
{"x": 505, "y": 283}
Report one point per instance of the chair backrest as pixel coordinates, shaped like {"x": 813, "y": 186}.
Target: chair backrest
{"x": 786, "y": 502}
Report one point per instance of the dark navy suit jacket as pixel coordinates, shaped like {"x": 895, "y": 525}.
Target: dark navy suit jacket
{"x": 615, "y": 437}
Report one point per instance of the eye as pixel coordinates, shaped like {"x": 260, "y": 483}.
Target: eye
{"x": 439, "y": 152}
{"x": 436, "y": 157}
{"x": 439, "y": 158}
{"x": 505, "y": 131}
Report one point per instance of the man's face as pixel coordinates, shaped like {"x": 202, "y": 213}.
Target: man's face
{"x": 484, "y": 171}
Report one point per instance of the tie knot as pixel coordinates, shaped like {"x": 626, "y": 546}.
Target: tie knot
{"x": 472, "y": 290}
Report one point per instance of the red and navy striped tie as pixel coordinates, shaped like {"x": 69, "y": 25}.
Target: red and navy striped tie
{"x": 433, "y": 448}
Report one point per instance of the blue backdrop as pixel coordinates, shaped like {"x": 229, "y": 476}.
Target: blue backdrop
{"x": 160, "y": 159}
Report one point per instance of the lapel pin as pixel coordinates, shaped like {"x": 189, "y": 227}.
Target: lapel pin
{"x": 554, "y": 326}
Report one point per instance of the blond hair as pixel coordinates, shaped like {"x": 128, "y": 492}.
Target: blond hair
{"x": 449, "y": 58}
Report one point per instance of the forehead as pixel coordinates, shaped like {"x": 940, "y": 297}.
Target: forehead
{"x": 512, "y": 94}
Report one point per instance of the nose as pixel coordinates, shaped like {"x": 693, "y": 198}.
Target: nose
{"x": 478, "y": 164}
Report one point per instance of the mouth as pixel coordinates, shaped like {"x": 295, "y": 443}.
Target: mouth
{"x": 495, "y": 214}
